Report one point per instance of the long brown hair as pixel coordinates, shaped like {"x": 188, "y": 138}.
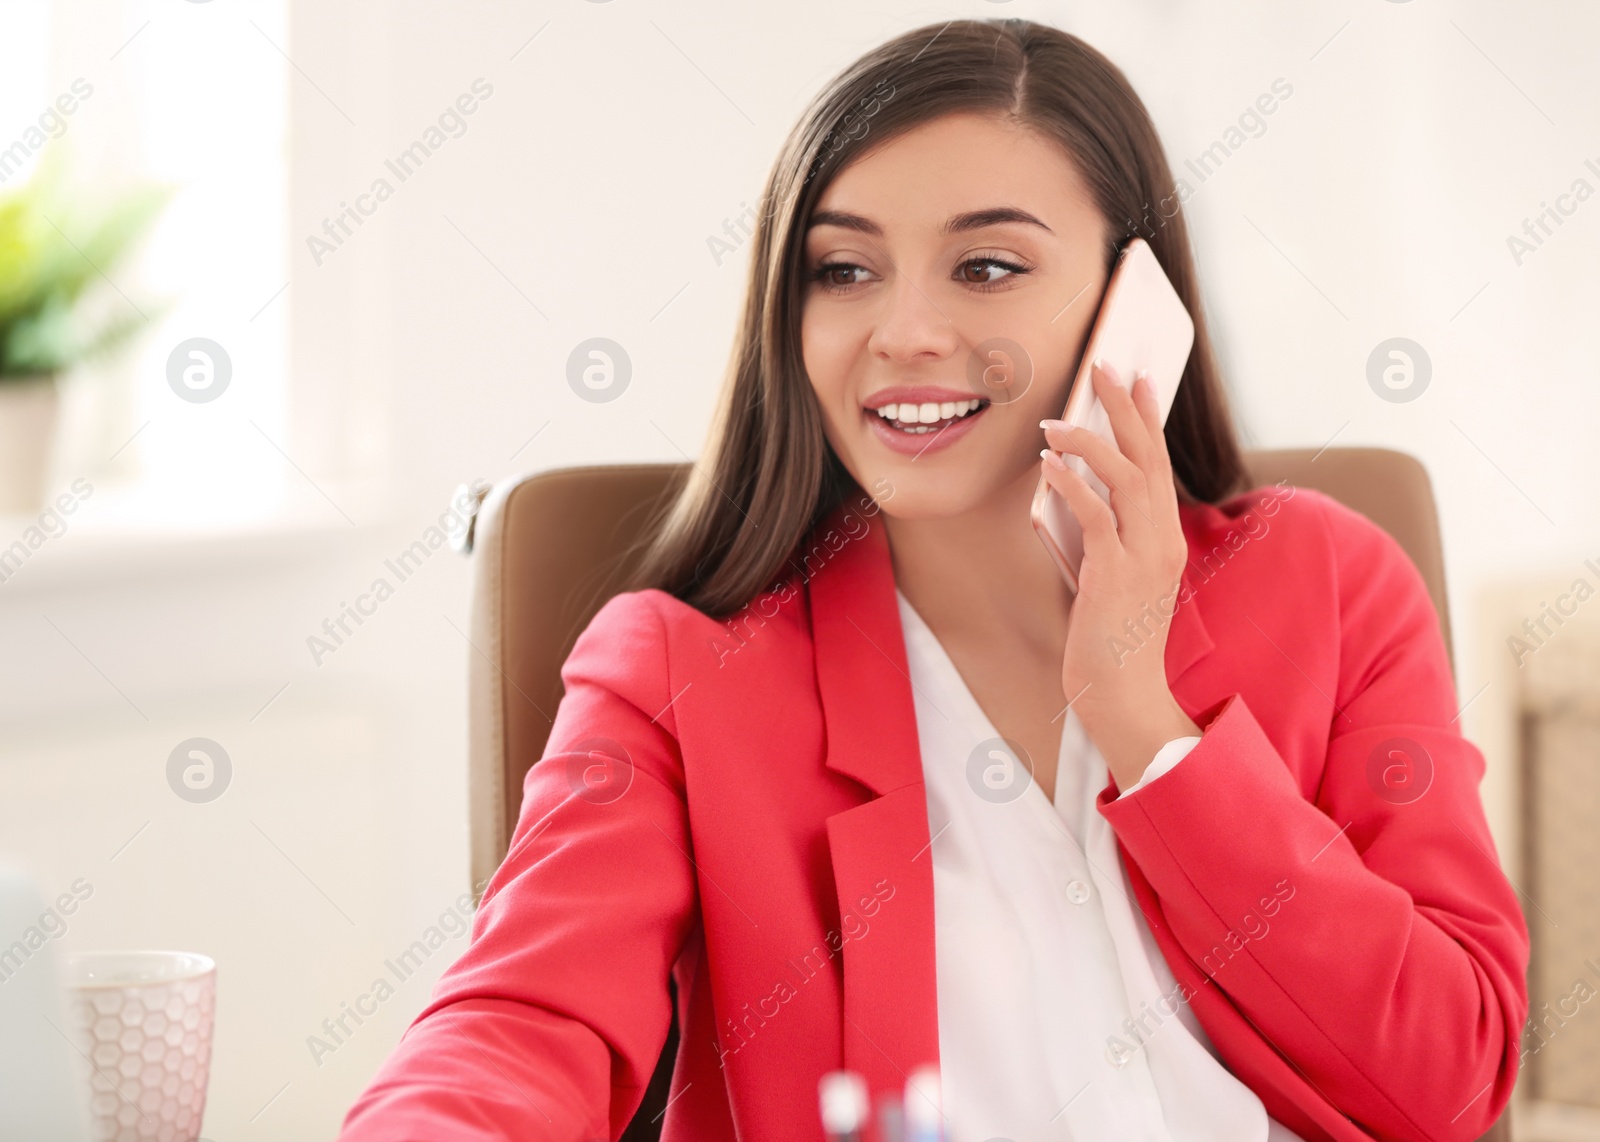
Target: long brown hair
{"x": 768, "y": 474}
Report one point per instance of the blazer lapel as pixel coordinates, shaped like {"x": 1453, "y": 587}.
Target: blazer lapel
{"x": 883, "y": 875}
{"x": 882, "y": 870}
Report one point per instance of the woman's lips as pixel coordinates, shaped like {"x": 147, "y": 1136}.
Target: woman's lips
{"x": 939, "y": 435}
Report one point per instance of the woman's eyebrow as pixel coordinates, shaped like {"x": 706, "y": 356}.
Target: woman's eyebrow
{"x": 845, "y": 220}
{"x": 993, "y": 216}
{"x": 971, "y": 220}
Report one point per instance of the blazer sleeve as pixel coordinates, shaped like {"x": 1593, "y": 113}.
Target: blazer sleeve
{"x": 1392, "y": 971}
{"x": 549, "y": 1025}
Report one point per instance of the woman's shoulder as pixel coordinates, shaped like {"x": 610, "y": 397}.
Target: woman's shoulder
{"x": 635, "y": 629}
{"x": 1291, "y": 527}
{"x": 1302, "y": 548}
{"x": 636, "y": 626}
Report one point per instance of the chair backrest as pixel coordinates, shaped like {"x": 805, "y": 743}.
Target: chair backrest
{"x": 550, "y": 549}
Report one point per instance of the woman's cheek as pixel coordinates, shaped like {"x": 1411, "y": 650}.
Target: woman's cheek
{"x": 1052, "y": 396}
{"x": 827, "y": 368}
{"x": 818, "y": 360}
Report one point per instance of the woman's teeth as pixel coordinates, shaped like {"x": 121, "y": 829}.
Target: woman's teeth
{"x": 928, "y": 417}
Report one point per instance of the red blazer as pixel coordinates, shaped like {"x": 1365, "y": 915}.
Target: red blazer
{"x": 740, "y": 803}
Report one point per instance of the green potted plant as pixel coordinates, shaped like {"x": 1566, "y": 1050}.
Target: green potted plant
{"x": 58, "y": 307}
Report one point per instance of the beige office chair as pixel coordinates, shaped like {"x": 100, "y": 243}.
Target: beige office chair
{"x": 551, "y": 549}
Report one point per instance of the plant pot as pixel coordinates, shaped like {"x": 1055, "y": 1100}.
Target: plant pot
{"x": 29, "y": 409}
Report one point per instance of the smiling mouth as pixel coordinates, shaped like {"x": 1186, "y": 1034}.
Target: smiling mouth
{"x": 919, "y": 419}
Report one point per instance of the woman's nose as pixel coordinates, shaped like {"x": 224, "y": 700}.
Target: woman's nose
{"x": 911, "y": 324}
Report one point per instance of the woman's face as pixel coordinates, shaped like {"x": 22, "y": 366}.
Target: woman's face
{"x": 952, "y": 275}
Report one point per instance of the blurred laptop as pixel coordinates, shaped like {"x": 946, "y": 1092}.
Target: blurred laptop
{"x": 42, "y": 1095}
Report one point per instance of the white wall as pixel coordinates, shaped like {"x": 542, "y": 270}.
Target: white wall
{"x": 431, "y": 346}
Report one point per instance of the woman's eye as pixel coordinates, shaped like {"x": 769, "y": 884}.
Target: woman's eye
{"x": 982, "y": 271}
{"x": 839, "y": 275}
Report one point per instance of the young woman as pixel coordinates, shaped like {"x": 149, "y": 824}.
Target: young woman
{"x": 858, "y": 773}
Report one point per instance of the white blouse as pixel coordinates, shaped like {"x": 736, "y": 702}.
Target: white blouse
{"x": 1043, "y": 956}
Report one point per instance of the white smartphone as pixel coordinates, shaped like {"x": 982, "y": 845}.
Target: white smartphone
{"x": 1142, "y": 325}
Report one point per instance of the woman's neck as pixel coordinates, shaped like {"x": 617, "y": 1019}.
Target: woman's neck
{"x": 983, "y": 571}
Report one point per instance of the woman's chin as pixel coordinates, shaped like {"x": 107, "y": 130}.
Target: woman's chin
{"x": 945, "y": 495}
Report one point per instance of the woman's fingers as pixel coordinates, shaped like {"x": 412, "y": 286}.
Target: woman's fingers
{"x": 1115, "y": 470}
{"x": 1093, "y": 514}
{"x": 1128, "y": 425}
{"x": 1144, "y": 399}
{"x": 1142, "y": 496}
{"x": 1143, "y": 392}
{"x": 1163, "y": 485}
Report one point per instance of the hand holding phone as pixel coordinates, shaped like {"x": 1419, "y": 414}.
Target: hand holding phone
{"x": 1141, "y": 326}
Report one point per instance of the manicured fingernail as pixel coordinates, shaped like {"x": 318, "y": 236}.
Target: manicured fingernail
{"x": 1058, "y": 425}
{"x": 1099, "y": 363}
{"x": 1052, "y": 459}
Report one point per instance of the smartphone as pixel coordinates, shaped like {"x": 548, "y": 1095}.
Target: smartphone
{"x": 1142, "y": 325}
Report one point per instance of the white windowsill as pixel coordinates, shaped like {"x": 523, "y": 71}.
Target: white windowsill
{"x": 108, "y": 546}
